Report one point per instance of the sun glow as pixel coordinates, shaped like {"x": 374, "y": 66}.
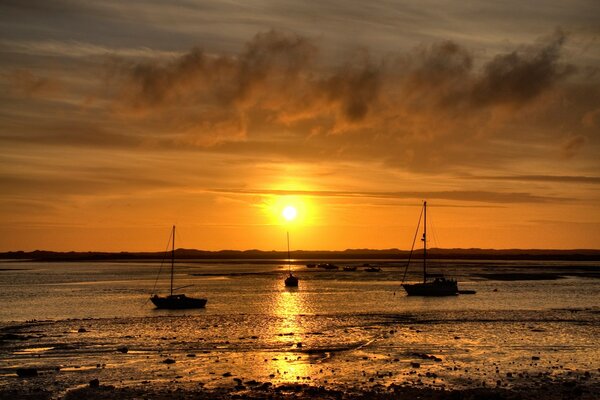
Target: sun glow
{"x": 289, "y": 213}
{"x": 289, "y": 210}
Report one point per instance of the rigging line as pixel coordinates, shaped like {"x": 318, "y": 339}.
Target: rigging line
{"x": 432, "y": 241}
{"x": 433, "y": 229}
{"x": 162, "y": 262}
{"x": 437, "y": 244}
{"x": 413, "y": 246}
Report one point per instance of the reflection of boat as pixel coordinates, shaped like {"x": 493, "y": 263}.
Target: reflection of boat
{"x": 176, "y": 301}
{"x": 291, "y": 280}
{"x": 350, "y": 268}
{"x": 439, "y": 285}
{"x": 373, "y": 269}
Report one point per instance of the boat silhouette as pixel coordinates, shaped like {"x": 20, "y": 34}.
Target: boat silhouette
{"x": 434, "y": 285}
{"x": 176, "y": 301}
{"x": 291, "y": 280}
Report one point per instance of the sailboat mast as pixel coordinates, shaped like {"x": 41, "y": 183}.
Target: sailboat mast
{"x": 288, "y": 243}
{"x": 425, "y": 242}
{"x": 172, "y": 260}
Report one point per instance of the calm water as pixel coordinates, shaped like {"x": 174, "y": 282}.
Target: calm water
{"x": 105, "y": 290}
{"x": 337, "y": 328}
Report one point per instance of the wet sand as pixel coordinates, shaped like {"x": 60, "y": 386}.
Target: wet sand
{"x": 385, "y": 357}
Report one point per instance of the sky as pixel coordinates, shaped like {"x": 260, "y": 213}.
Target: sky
{"x": 121, "y": 119}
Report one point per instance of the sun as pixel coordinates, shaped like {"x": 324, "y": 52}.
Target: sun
{"x": 289, "y": 213}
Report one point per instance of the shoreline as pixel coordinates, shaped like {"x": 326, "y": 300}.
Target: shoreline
{"x": 300, "y": 256}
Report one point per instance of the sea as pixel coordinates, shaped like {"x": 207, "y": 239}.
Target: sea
{"x": 529, "y": 323}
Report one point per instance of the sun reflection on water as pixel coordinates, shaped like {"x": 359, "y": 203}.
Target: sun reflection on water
{"x": 289, "y": 365}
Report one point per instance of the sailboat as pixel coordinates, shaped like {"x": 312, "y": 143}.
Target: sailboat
{"x": 291, "y": 280}
{"x": 176, "y": 301}
{"x": 433, "y": 284}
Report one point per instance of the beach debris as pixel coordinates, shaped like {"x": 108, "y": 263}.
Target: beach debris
{"x": 13, "y": 336}
{"x": 227, "y": 374}
{"x": 27, "y": 372}
{"x": 426, "y": 357}
{"x": 81, "y": 330}
{"x": 191, "y": 355}
{"x": 123, "y": 349}
{"x": 535, "y": 358}
{"x": 168, "y": 361}
{"x": 415, "y": 365}
{"x": 265, "y": 386}
{"x": 94, "y": 383}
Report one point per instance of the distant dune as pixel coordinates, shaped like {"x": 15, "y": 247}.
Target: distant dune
{"x": 191, "y": 254}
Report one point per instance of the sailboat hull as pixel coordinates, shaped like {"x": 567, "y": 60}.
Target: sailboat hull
{"x": 432, "y": 289}
{"x": 291, "y": 281}
{"x": 177, "y": 302}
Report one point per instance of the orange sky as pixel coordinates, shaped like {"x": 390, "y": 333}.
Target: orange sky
{"x": 119, "y": 120}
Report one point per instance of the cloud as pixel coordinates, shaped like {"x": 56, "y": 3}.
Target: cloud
{"x": 431, "y": 108}
{"x": 78, "y": 49}
{"x": 280, "y": 84}
{"x": 25, "y": 83}
{"x": 572, "y": 146}
{"x": 203, "y": 78}
{"x": 592, "y": 180}
{"x": 523, "y": 74}
{"x": 459, "y": 195}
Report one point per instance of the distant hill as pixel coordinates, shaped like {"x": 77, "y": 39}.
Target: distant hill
{"x": 191, "y": 254}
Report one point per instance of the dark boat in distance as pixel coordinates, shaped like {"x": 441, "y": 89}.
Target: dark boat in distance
{"x": 433, "y": 285}
{"x": 291, "y": 280}
{"x": 328, "y": 266}
{"x": 176, "y": 301}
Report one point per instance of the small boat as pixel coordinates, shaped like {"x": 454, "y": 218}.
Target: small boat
{"x": 311, "y": 265}
{"x": 432, "y": 285}
{"x": 329, "y": 266}
{"x": 350, "y": 268}
{"x": 291, "y": 280}
{"x": 373, "y": 269}
{"x": 176, "y": 301}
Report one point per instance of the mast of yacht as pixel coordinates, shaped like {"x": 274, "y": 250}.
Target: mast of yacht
{"x": 172, "y": 260}
{"x": 288, "y": 244}
{"x": 424, "y": 242}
